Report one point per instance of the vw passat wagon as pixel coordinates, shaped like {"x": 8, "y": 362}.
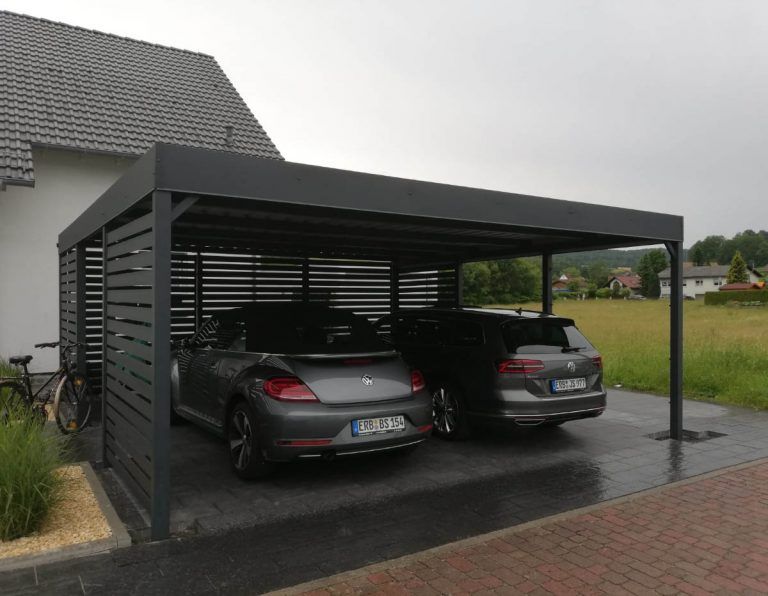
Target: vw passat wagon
{"x": 282, "y": 382}
{"x": 514, "y": 367}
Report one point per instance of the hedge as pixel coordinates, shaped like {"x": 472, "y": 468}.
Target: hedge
{"x": 716, "y": 298}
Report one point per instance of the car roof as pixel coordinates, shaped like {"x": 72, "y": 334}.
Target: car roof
{"x": 498, "y": 313}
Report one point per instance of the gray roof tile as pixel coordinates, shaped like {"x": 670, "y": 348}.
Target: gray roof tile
{"x": 70, "y": 87}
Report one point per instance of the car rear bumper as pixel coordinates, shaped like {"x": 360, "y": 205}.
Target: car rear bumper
{"x": 532, "y": 411}
{"x": 282, "y": 424}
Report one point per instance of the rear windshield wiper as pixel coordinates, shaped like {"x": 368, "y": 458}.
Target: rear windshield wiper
{"x": 573, "y": 348}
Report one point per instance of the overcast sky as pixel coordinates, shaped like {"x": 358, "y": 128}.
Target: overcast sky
{"x": 651, "y": 105}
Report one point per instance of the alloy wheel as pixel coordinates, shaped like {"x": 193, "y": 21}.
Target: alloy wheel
{"x": 240, "y": 439}
{"x": 444, "y": 411}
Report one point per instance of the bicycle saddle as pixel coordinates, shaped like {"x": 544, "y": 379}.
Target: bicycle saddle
{"x": 20, "y": 359}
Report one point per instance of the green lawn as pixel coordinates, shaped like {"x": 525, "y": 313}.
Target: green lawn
{"x": 725, "y": 349}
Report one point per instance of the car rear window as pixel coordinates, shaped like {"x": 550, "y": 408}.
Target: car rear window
{"x": 314, "y": 332}
{"x": 542, "y": 336}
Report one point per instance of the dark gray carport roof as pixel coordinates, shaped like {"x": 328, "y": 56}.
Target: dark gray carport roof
{"x": 288, "y": 207}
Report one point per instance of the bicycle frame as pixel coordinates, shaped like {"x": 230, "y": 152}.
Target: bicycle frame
{"x": 26, "y": 378}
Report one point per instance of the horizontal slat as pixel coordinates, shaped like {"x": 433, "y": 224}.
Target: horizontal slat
{"x": 120, "y": 425}
{"x": 133, "y": 296}
{"x": 130, "y": 362}
{"x": 137, "y": 385}
{"x": 130, "y": 346}
{"x": 134, "y": 313}
{"x": 132, "y": 228}
{"x": 124, "y": 328}
{"x": 116, "y": 391}
{"x": 128, "y": 470}
{"x": 132, "y": 261}
{"x": 140, "y": 242}
{"x": 131, "y": 278}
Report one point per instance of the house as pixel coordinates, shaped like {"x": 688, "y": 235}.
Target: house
{"x": 698, "y": 280}
{"x": 565, "y": 283}
{"x": 77, "y": 107}
{"x": 739, "y": 287}
{"x": 619, "y": 282}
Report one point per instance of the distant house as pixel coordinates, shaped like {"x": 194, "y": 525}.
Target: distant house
{"x": 699, "y": 280}
{"x": 759, "y": 285}
{"x": 565, "y": 283}
{"x": 77, "y": 107}
{"x": 619, "y": 282}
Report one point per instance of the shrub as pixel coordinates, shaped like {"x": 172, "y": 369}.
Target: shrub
{"x": 719, "y": 298}
{"x": 603, "y": 293}
{"x": 29, "y": 482}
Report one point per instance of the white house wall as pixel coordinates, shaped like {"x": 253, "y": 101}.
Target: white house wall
{"x": 30, "y": 221}
{"x": 693, "y": 289}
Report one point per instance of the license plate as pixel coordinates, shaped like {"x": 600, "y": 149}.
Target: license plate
{"x": 375, "y": 426}
{"x": 562, "y": 385}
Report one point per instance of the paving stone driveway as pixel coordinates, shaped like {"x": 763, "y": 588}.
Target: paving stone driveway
{"x": 314, "y": 520}
{"x": 707, "y": 536}
{"x": 605, "y": 457}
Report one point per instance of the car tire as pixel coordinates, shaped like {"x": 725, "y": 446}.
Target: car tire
{"x": 176, "y": 420}
{"x": 449, "y": 413}
{"x": 245, "y": 455}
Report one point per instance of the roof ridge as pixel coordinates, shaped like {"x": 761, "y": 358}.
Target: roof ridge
{"x": 104, "y": 33}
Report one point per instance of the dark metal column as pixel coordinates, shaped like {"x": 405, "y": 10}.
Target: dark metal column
{"x": 161, "y": 364}
{"x": 198, "y": 290}
{"x": 305, "y": 280}
{"x": 104, "y": 459}
{"x": 459, "y": 281}
{"x": 394, "y": 286}
{"x": 546, "y": 283}
{"x": 675, "y": 250}
{"x": 80, "y": 282}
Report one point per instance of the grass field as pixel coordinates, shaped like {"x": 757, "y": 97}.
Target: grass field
{"x": 725, "y": 348}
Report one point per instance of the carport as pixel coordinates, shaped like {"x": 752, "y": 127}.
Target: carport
{"x": 187, "y": 231}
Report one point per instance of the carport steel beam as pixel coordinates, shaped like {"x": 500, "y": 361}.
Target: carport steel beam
{"x": 167, "y": 173}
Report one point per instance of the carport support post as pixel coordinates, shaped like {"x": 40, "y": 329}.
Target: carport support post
{"x": 675, "y": 250}
{"x": 161, "y": 364}
{"x": 546, "y": 283}
{"x": 459, "y": 280}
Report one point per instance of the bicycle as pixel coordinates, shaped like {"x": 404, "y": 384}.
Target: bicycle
{"x": 71, "y": 394}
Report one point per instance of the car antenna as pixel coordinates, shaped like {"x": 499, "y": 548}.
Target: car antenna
{"x": 519, "y": 310}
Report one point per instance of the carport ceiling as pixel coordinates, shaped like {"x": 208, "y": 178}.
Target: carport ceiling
{"x": 287, "y": 208}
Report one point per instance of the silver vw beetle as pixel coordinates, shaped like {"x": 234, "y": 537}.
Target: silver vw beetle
{"x": 286, "y": 381}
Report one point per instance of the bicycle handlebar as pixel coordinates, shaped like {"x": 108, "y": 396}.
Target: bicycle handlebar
{"x": 53, "y": 344}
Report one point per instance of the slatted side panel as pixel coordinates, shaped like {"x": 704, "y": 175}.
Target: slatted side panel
{"x": 183, "y": 276}
{"x": 231, "y": 280}
{"x": 68, "y": 305}
{"x": 128, "y": 354}
{"x": 361, "y": 286}
{"x": 93, "y": 310}
{"x": 436, "y": 287}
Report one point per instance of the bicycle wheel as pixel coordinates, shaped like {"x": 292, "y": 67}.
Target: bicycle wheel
{"x": 12, "y": 401}
{"x": 72, "y": 404}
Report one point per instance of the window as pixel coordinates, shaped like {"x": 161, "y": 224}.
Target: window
{"x": 665, "y": 284}
{"x": 547, "y": 336}
{"x": 717, "y": 283}
{"x": 699, "y": 282}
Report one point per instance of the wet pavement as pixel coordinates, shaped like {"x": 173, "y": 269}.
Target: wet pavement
{"x": 705, "y": 536}
{"x": 318, "y": 518}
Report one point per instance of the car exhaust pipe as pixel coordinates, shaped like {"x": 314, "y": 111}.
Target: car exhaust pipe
{"x": 528, "y": 421}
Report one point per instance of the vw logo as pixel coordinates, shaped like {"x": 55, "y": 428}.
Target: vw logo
{"x": 367, "y": 380}
{"x": 571, "y": 366}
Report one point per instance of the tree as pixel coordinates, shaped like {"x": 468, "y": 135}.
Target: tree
{"x": 597, "y": 273}
{"x": 697, "y": 255}
{"x": 652, "y": 263}
{"x": 738, "y": 271}
{"x": 502, "y": 282}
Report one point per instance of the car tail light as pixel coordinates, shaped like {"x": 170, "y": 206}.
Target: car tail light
{"x": 424, "y": 429}
{"x": 520, "y": 366}
{"x": 417, "y": 381}
{"x": 597, "y": 361}
{"x": 358, "y": 361}
{"x": 288, "y": 389}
